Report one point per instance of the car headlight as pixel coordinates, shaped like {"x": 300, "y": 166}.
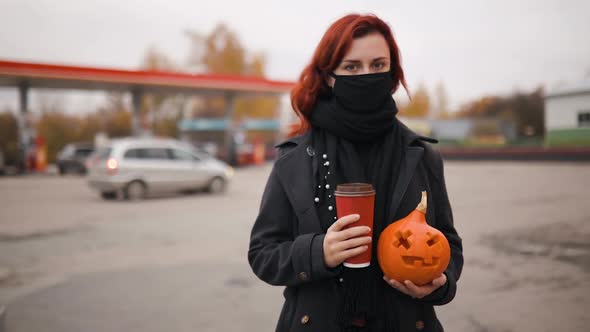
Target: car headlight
{"x": 229, "y": 172}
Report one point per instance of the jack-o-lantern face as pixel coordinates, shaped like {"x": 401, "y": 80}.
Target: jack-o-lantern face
{"x": 429, "y": 258}
{"x": 410, "y": 249}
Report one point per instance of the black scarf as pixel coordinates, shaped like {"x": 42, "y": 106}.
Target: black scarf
{"x": 367, "y": 147}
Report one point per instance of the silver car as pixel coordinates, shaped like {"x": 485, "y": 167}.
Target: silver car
{"x": 136, "y": 167}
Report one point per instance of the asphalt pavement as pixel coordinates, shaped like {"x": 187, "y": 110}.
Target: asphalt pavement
{"x": 70, "y": 261}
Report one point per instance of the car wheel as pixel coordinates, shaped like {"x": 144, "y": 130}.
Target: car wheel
{"x": 108, "y": 195}
{"x": 217, "y": 185}
{"x": 135, "y": 191}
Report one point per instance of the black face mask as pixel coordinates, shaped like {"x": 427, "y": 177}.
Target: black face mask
{"x": 363, "y": 93}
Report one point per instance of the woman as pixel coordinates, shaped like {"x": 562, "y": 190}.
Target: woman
{"x": 349, "y": 132}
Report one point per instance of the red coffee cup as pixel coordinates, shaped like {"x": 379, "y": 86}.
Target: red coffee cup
{"x": 357, "y": 198}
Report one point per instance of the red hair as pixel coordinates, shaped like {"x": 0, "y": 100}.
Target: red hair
{"x": 329, "y": 53}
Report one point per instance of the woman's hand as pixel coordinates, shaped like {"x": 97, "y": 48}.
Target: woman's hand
{"x": 414, "y": 291}
{"x": 341, "y": 244}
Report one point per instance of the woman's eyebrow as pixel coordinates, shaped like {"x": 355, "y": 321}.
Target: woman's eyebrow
{"x": 351, "y": 60}
{"x": 359, "y": 61}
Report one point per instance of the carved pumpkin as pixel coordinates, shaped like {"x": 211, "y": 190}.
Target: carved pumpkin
{"x": 409, "y": 249}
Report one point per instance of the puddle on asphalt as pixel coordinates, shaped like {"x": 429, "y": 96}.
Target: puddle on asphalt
{"x": 238, "y": 282}
{"x": 42, "y": 233}
{"x": 565, "y": 241}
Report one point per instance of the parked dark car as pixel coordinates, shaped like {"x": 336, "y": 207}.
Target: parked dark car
{"x": 72, "y": 158}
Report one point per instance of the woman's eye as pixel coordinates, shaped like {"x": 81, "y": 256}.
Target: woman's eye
{"x": 350, "y": 67}
{"x": 379, "y": 65}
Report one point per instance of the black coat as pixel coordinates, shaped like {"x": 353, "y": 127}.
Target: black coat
{"x": 286, "y": 243}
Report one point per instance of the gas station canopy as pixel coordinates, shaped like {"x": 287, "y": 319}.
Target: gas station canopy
{"x": 37, "y": 75}
{"x": 25, "y": 76}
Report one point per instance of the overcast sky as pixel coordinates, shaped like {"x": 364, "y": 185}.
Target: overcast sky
{"x": 473, "y": 47}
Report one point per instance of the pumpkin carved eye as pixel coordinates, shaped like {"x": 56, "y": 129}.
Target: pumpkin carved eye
{"x": 403, "y": 239}
{"x": 432, "y": 239}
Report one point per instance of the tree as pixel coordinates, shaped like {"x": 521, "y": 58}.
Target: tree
{"x": 9, "y": 137}
{"x": 419, "y": 106}
{"x": 442, "y": 102}
{"x": 156, "y": 60}
{"x": 527, "y": 111}
{"x": 90, "y": 125}
{"x": 58, "y": 129}
{"x": 221, "y": 52}
{"x": 166, "y": 127}
{"x": 530, "y": 112}
{"x": 115, "y": 117}
{"x": 152, "y": 109}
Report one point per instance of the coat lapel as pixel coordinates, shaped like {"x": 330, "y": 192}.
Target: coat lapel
{"x": 296, "y": 175}
{"x": 413, "y": 154}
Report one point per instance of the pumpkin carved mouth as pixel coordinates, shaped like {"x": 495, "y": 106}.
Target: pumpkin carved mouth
{"x": 420, "y": 261}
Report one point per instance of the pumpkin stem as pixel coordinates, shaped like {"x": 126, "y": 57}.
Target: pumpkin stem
{"x": 423, "y": 204}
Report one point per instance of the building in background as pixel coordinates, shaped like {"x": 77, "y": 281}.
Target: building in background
{"x": 567, "y": 115}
